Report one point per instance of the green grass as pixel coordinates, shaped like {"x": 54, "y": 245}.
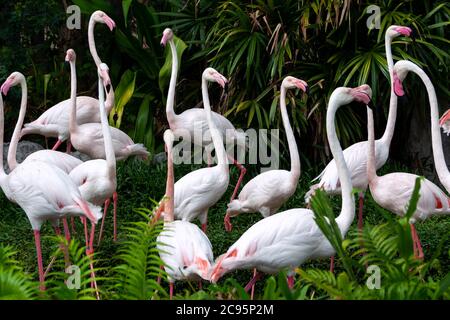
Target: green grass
{"x": 139, "y": 183}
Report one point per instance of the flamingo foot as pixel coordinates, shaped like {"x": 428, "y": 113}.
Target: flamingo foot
{"x": 227, "y": 223}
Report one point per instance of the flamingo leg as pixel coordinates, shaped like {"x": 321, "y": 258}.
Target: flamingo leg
{"x": 89, "y": 254}
{"x": 105, "y": 211}
{"x": 227, "y": 223}
{"x": 360, "y": 212}
{"x": 159, "y": 275}
{"x": 418, "y": 252}
{"x": 72, "y": 225}
{"x": 332, "y": 264}
{"x": 66, "y": 229}
{"x": 252, "y": 282}
{"x": 57, "y": 144}
{"x": 115, "y": 196}
{"x": 68, "y": 147}
{"x": 171, "y": 290}
{"x": 241, "y": 176}
{"x": 37, "y": 240}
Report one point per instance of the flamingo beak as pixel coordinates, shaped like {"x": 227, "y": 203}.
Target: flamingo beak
{"x": 164, "y": 40}
{"x": 398, "y": 86}
{"x": 302, "y": 85}
{"x": 363, "y": 94}
{"x": 109, "y": 22}
{"x": 220, "y": 79}
{"x": 6, "y": 86}
{"x": 445, "y": 117}
{"x": 106, "y": 79}
{"x": 405, "y": 31}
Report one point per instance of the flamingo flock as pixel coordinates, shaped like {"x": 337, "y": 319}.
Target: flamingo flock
{"x": 50, "y": 185}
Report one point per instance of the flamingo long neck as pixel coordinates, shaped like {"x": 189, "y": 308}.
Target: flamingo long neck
{"x": 215, "y": 135}
{"x": 91, "y": 42}
{"x": 169, "y": 205}
{"x": 106, "y": 131}
{"x": 345, "y": 218}
{"x": 73, "y": 124}
{"x": 392, "y": 116}
{"x": 438, "y": 152}
{"x": 12, "y": 161}
{"x": 170, "y": 112}
{"x": 3, "y": 175}
{"x": 293, "y": 150}
{"x": 371, "y": 168}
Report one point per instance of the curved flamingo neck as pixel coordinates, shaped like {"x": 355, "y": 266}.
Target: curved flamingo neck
{"x": 293, "y": 150}
{"x": 169, "y": 205}
{"x": 73, "y": 125}
{"x": 3, "y": 175}
{"x": 345, "y": 218}
{"x": 170, "y": 112}
{"x": 371, "y": 167}
{"x": 215, "y": 135}
{"x": 91, "y": 42}
{"x": 12, "y": 161}
{"x": 392, "y": 116}
{"x": 106, "y": 131}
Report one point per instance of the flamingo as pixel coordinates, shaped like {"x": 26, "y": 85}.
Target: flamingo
{"x": 192, "y": 119}
{"x": 289, "y": 238}
{"x": 444, "y": 122}
{"x": 199, "y": 190}
{"x": 268, "y": 191}
{"x": 393, "y": 191}
{"x": 356, "y": 155}
{"x": 44, "y": 192}
{"x": 54, "y": 122}
{"x": 185, "y": 250}
{"x": 96, "y": 179}
{"x": 62, "y": 160}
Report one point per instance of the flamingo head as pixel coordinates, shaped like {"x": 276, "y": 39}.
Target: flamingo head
{"x": 167, "y": 36}
{"x": 396, "y": 31}
{"x": 294, "y": 83}
{"x": 70, "y": 55}
{"x": 103, "y": 73}
{"x": 362, "y": 94}
{"x": 14, "y": 79}
{"x": 401, "y": 69}
{"x": 212, "y": 75}
{"x": 101, "y": 17}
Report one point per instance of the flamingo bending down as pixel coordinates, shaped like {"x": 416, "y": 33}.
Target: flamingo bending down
{"x": 356, "y": 154}
{"x": 185, "y": 250}
{"x": 54, "y": 122}
{"x": 268, "y": 191}
{"x": 288, "y": 239}
{"x": 62, "y": 160}
{"x": 44, "y": 192}
{"x": 194, "y": 119}
{"x": 96, "y": 179}
{"x": 199, "y": 190}
{"x": 393, "y": 191}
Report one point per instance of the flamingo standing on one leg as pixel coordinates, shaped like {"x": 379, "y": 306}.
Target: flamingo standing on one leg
{"x": 185, "y": 250}
{"x": 54, "y": 122}
{"x": 393, "y": 191}
{"x": 268, "y": 191}
{"x": 356, "y": 155}
{"x": 288, "y": 239}
{"x": 96, "y": 179}
{"x": 199, "y": 190}
{"x": 192, "y": 119}
{"x": 44, "y": 192}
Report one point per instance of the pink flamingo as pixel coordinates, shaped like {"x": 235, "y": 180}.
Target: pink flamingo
{"x": 96, "y": 179}
{"x": 44, "y": 192}
{"x": 185, "y": 250}
{"x": 288, "y": 239}
{"x": 356, "y": 155}
{"x": 393, "y": 191}
{"x": 192, "y": 119}
{"x": 268, "y": 191}
{"x": 54, "y": 122}
{"x": 199, "y": 190}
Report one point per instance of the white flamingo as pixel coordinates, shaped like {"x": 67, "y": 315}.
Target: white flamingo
{"x": 54, "y": 122}
{"x": 199, "y": 190}
{"x": 356, "y": 154}
{"x": 267, "y": 192}
{"x": 288, "y": 239}
{"x": 194, "y": 119}
{"x": 393, "y": 191}
{"x": 96, "y": 179}
{"x": 44, "y": 192}
{"x": 185, "y": 250}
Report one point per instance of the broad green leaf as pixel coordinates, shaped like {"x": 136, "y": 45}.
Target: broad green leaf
{"x": 166, "y": 70}
{"x": 125, "y": 8}
{"x": 123, "y": 94}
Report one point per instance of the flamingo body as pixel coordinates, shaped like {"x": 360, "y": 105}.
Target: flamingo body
{"x": 62, "y": 160}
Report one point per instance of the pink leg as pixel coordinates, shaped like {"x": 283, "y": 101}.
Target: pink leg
{"x": 68, "y": 147}
{"x": 227, "y": 223}
{"x": 171, "y": 290}
{"x": 37, "y": 240}
{"x": 332, "y": 264}
{"x": 66, "y": 229}
{"x": 57, "y": 144}
{"x": 418, "y": 252}
{"x": 115, "y": 215}
{"x": 72, "y": 225}
{"x": 251, "y": 283}
{"x": 360, "y": 213}
{"x": 89, "y": 254}
{"x": 241, "y": 176}
{"x": 291, "y": 281}
{"x": 159, "y": 276}
{"x": 204, "y": 227}
{"x": 63, "y": 249}
{"x": 105, "y": 211}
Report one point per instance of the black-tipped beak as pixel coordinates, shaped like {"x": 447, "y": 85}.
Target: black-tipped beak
{"x": 307, "y": 90}
{"x": 371, "y": 105}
